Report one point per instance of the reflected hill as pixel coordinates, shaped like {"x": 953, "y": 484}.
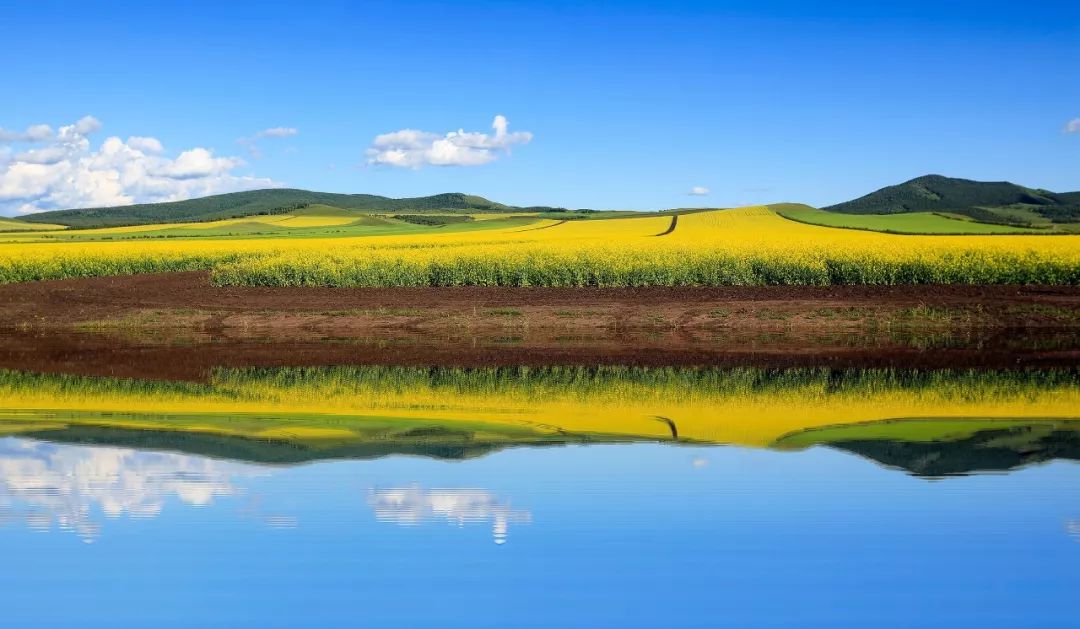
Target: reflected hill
{"x": 992, "y": 446}
{"x": 433, "y": 442}
{"x": 963, "y": 420}
{"x": 937, "y": 448}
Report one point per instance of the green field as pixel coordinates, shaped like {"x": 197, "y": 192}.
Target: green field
{"x": 314, "y": 221}
{"x": 14, "y": 225}
{"x": 911, "y": 223}
{"x": 265, "y": 202}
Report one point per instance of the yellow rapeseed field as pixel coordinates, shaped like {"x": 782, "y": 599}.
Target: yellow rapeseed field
{"x": 745, "y": 246}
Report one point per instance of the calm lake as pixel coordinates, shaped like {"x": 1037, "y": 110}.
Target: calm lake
{"x": 569, "y": 496}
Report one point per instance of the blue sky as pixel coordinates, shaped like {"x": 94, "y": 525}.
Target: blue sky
{"x": 629, "y": 104}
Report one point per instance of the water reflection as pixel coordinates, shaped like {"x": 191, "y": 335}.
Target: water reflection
{"x": 50, "y": 485}
{"x": 47, "y": 485}
{"x": 370, "y": 495}
{"x": 952, "y": 448}
{"x": 412, "y": 506}
{"x": 156, "y": 440}
{"x": 295, "y": 414}
{"x": 615, "y": 532}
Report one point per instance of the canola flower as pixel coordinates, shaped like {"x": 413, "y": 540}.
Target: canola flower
{"x": 744, "y": 246}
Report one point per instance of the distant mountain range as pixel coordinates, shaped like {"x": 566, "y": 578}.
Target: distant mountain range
{"x": 985, "y": 201}
{"x": 988, "y": 201}
{"x": 270, "y": 201}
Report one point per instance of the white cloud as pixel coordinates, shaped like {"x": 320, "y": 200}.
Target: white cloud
{"x": 277, "y": 132}
{"x": 44, "y": 155}
{"x": 146, "y": 145}
{"x": 196, "y": 163}
{"x": 252, "y": 141}
{"x": 410, "y": 148}
{"x": 699, "y": 191}
{"x": 34, "y": 133}
{"x": 62, "y": 170}
{"x": 87, "y": 125}
{"x": 1073, "y": 126}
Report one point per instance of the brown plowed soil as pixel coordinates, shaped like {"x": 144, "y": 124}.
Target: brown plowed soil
{"x": 64, "y": 302}
{"x": 178, "y": 326}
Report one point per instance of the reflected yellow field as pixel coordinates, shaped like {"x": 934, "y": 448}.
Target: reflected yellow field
{"x": 746, "y": 407}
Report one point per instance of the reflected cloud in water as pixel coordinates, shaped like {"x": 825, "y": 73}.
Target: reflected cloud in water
{"x": 413, "y": 506}
{"x": 45, "y": 485}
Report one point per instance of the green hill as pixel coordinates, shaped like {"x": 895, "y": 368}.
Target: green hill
{"x": 256, "y": 202}
{"x": 986, "y": 201}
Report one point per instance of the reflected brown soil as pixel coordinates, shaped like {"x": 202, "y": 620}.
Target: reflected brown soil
{"x": 190, "y": 354}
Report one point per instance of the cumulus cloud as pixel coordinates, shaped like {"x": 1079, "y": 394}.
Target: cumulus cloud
{"x": 410, "y": 148}
{"x": 699, "y": 191}
{"x": 146, "y": 145}
{"x": 1073, "y": 126}
{"x": 35, "y": 133}
{"x": 87, "y": 125}
{"x": 61, "y": 169}
{"x": 197, "y": 163}
{"x": 252, "y": 141}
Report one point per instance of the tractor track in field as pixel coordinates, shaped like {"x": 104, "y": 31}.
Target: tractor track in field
{"x": 671, "y": 227}
{"x": 534, "y": 229}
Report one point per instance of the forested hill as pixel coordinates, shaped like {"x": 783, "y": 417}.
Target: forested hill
{"x": 254, "y": 202}
{"x": 935, "y": 193}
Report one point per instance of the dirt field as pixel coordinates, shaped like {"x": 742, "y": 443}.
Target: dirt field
{"x": 188, "y": 299}
{"x": 176, "y": 326}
